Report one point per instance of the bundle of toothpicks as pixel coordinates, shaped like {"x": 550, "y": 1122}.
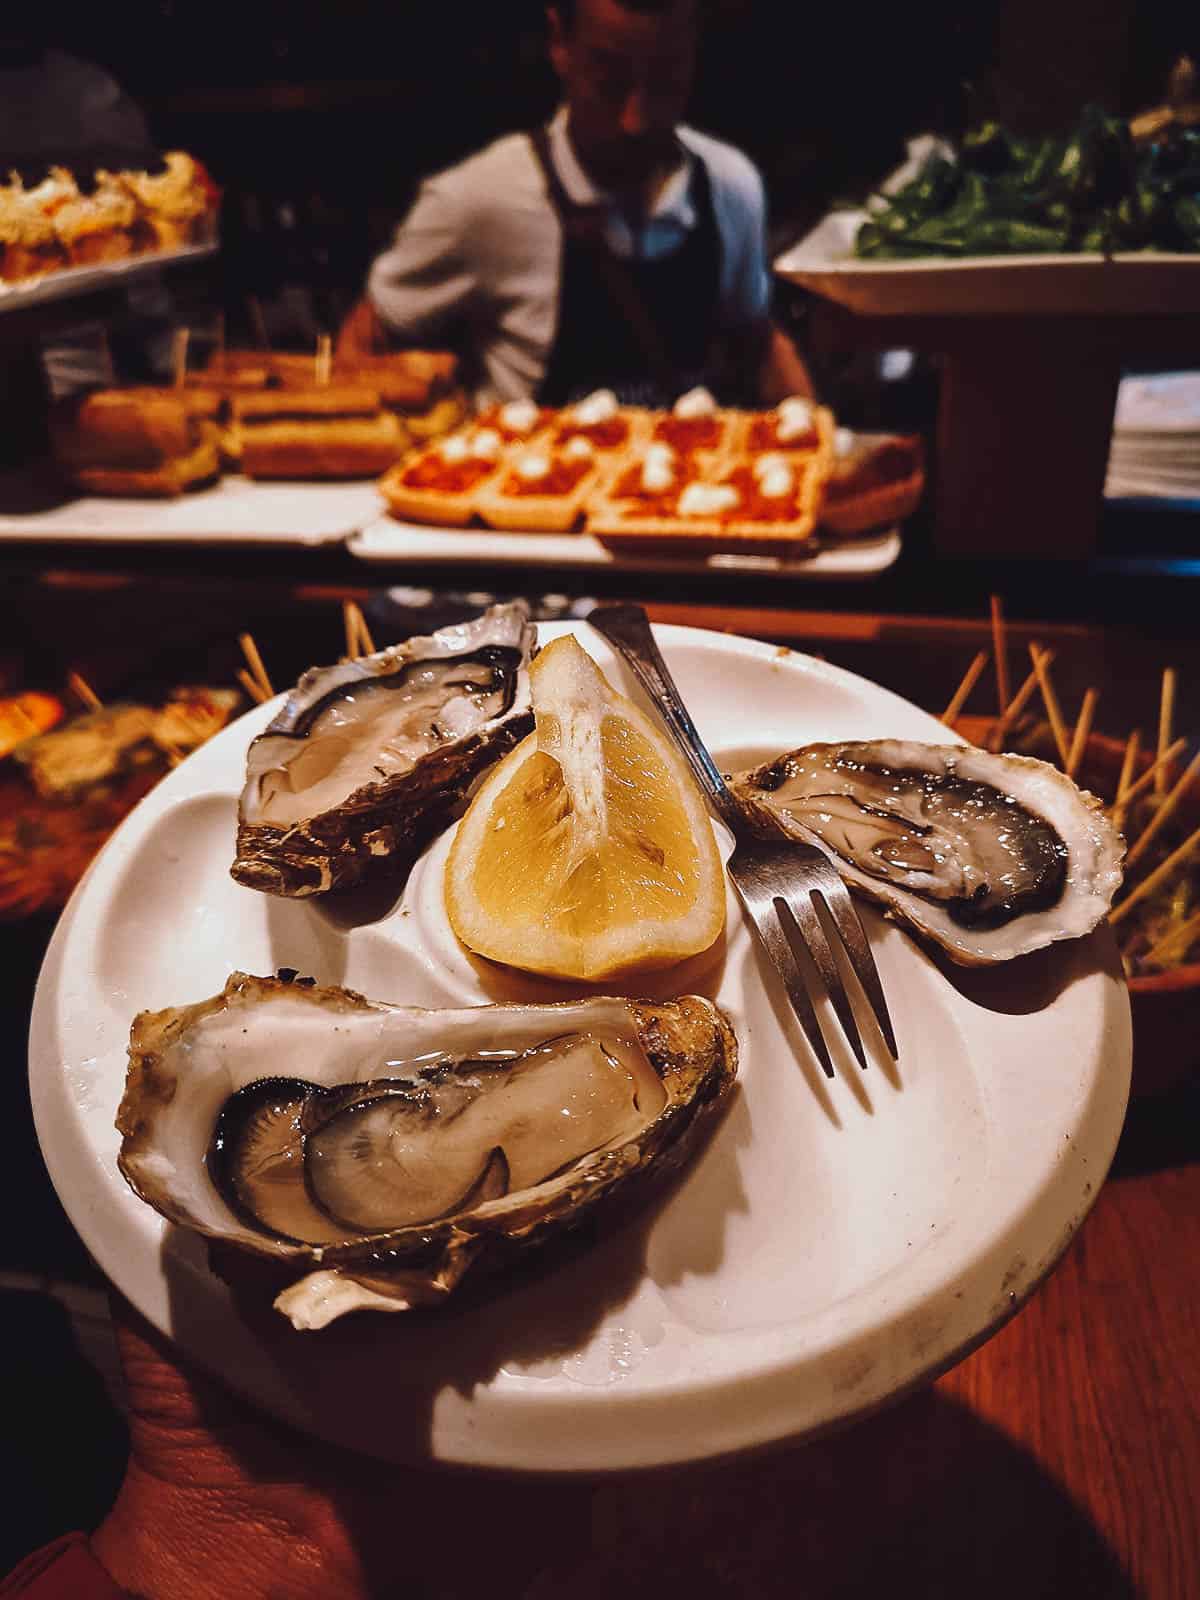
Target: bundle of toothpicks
{"x": 1160, "y": 788}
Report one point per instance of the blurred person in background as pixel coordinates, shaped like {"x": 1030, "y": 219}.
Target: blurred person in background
{"x": 613, "y": 247}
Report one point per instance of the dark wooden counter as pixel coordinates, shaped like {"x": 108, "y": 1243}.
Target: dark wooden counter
{"x": 1061, "y": 1459}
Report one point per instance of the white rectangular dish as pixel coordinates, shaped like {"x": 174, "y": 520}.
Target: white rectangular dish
{"x": 235, "y": 511}
{"x": 68, "y": 282}
{"x": 1129, "y": 284}
{"x": 394, "y": 543}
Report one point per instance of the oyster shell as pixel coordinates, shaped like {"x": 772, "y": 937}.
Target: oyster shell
{"x": 367, "y": 758}
{"x": 405, "y": 1146}
{"x": 989, "y": 855}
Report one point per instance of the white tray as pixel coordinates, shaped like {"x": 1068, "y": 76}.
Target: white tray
{"x": 1136, "y": 283}
{"x": 70, "y": 281}
{"x": 395, "y": 543}
{"x": 1159, "y": 407}
{"x": 234, "y": 511}
{"x": 834, "y": 1242}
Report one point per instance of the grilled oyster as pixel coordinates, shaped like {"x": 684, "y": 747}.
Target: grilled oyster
{"x": 404, "y": 1146}
{"x": 990, "y": 855}
{"x": 367, "y": 758}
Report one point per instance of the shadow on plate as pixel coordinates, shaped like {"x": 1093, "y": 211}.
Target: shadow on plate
{"x": 366, "y": 903}
{"x": 1028, "y": 984}
{"x": 371, "y": 1381}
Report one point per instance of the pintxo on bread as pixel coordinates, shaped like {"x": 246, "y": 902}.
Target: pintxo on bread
{"x": 874, "y": 480}
{"x": 442, "y": 483}
{"x": 339, "y": 431}
{"x": 602, "y": 421}
{"x": 138, "y": 441}
{"x": 517, "y": 421}
{"x": 695, "y": 479}
{"x": 694, "y": 422}
{"x": 796, "y": 425}
{"x": 727, "y": 505}
{"x": 542, "y": 488}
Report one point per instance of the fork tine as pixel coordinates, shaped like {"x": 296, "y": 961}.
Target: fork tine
{"x": 841, "y": 908}
{"x": 800, "y": 921}
{"x": 784, "y": 960}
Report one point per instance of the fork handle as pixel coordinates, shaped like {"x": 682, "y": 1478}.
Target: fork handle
{"x": 627, "y": 629}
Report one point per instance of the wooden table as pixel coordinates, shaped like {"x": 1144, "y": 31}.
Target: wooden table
{"x": 1062, "y": 1458}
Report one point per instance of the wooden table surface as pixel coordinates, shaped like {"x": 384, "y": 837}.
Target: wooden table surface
{"x": 1060, "y": 1459}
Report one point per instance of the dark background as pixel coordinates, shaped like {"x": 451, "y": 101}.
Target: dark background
{"x": 319, "y": 117}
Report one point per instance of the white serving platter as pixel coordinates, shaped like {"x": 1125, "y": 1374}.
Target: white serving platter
{"x": 69, "y": 282}
{"x": 833, "y": 1244}
{"x": 392, "y": 542}
{"x": 235, "y": 511}
{"x": 1131, "y": 284}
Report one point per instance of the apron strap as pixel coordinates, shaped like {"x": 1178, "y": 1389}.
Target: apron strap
{"x": 585, "y": 225}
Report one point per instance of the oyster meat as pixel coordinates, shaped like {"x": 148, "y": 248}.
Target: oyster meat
{"x": 989, "y": 855}
{"x": 376, "y": 1152}
{"x": 367, "y": 758}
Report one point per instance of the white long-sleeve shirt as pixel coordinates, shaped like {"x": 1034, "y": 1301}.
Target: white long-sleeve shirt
{"x": 478, "y": 254}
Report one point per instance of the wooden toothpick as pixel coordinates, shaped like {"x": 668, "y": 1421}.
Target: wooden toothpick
{"x": 255, "y": 661}
{"x": 1151, "y": 773}
{"x": 959, "y": 697}
{"x": 1000, "y": 654}
{"x": 83, "y": 689}
{"x": 1157, "y": 877}
{"x": 1016, "y": 705}
{"x": 252, "y": 687}
{"x": 1083, "y": 728}
{"x": 1166, "y": 718}
{"x": 1050, "y": 700}
{"x": 179, "y": 355}
{"x": 1166, "y": 809}
{"x": 324, "y": 360}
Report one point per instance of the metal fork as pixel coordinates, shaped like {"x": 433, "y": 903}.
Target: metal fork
{"x": 782, "y": 882}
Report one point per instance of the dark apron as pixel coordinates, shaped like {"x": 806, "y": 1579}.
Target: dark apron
{"x": 645, "y": 329}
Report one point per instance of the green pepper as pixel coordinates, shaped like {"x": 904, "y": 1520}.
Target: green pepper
{"x": 987, "y": 149}
{"x": 1008, "y": 235}
{"x": 1090, "y": 191}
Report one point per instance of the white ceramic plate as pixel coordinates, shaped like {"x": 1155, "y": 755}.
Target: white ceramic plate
{"x": 237, "y": 510}
{"x": 834, "y": 1243}
{"x": 1137, "y": 283}
{"x": 70, "y": 282}
{"x": 394, "y": 543}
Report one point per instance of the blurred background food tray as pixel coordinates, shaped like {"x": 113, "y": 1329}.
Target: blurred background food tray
{"x": 391, "y": 542}
{"x": 235, "y": 511}
{"x": 69, "y": 282}
{"x": 1140, "y": 283}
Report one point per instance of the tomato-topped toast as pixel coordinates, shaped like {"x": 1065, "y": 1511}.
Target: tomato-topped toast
{"x": 797, "y": 424}
{"x": 760, "y": 505}
{"x": 541, "y": 488}
{"x": 601, "y": 420}
{"x": 442, "y": 483}
{"x": 694, "y": 422}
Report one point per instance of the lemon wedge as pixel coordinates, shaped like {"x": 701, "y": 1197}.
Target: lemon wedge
{"x": 588, "y": 852}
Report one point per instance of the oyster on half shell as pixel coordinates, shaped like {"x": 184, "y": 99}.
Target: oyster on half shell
{"x": 375, "y": 1153}
{"x": 989, "y": 855}
{"x": 368, "y": 757}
